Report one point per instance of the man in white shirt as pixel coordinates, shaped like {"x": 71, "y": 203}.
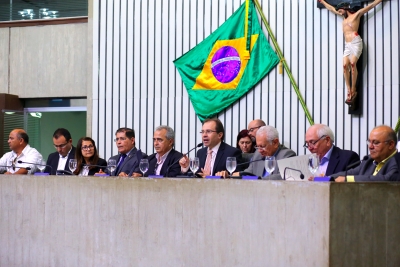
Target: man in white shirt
{"x": 18, "y": 141}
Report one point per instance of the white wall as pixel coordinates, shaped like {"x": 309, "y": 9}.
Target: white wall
{"x": 135, "y": 83}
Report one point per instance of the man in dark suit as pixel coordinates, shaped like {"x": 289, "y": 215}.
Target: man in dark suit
{"x": 212, "y": 158}
{"x": 381, "y": 165}
{"x": 59, "y": 160}
{"x": 319, "y": 140}
{"x": 165, "y": 161}
{"x": 129, "y": 156}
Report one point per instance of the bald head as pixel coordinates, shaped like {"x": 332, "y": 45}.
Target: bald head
{"x": 17, "y": 140}
{"x": 382, "y": 142}
{"x": 253, "y": 127}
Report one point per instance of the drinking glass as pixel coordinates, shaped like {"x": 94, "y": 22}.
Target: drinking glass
{"x": 270, "y": 164}
{"x": 111, "y": 165}
{"x": 85, "y": 171}
{"x": 72, "y": 165}
{"x": 230, "y": 165}
{"x": 194, "y": 165}
{"x": 41, "y": 165}
{"x": 144, "y": 166}
{"x": 313, "y": 163}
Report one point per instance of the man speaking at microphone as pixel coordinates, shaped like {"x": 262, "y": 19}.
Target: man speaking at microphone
{"x": 165, "y": 161}
{"x": 268, "y": 145}
{"x": 213, "y": 157}
{"x": 18, "y": 141}
{"x": 381, "y": 165}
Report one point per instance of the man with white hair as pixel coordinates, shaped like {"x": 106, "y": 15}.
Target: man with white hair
{"x": 319, "y": 140}
{"x": 268, "y": 144}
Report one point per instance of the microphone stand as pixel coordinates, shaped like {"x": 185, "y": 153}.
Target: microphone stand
{"x": 284, "y": 173}
{"x": 198, "y": 145}
{"x": 36, "y": 164}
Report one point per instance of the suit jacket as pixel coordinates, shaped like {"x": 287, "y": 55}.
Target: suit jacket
{"x": 131, "y": 162}
{"x": 224, "y": 151}
{"x": 364, "y": 172}
{"x": 53, "y": 159}
{"x": 340, "y": 159}
{"x": 397, "y": 158}
{"x": 257, "y": 168}
{"x": 172, "y": 161}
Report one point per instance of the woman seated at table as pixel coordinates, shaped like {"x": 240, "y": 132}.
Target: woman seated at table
{"x": 86, "y": 154}
{"x": 245, "y": 144}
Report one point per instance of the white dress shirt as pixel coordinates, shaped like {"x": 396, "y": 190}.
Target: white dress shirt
{"x": 29, "y": 154}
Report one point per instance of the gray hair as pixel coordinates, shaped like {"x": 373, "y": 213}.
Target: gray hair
{"x": 269, "y": 131}
{"x": 323, "y": 129}
{"x": 170, "y": 132}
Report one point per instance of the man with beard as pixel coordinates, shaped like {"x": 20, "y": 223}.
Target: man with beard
{"x": 353, "y": 45}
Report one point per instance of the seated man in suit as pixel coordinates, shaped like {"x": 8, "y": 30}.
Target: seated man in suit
{"x": 268, "y": 144}
{"x": 319, "y": 140}
{"x": 59, "y": 160}
{"x": 381, "y": 165}
{"x": 129, "y": 156}
{"x": 213, "y": 157}
{"x": 18, "y": 140}
{"x": 165, "y": 160}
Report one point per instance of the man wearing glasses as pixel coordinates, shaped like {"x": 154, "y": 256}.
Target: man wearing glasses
{"x": 268, "y": 145}
{"x": 212, "y": 158}
{"x": 381, "y": 164}
{"x": 253, "y": 127}
{"x": 18, "y": 141}
{"x": 129, "y": 156}
{"x": 319, "y": 140}
{"x": 62, "y": 141}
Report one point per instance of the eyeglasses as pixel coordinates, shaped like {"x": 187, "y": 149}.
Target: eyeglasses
{"x": 87, "y": 147}
{"x": 376, "y": 143}
{"x": 120, "y": 139}
{"x": 312, "y": 143}
{"x": 208, "y": 132}
{"x": 262, "y": 148}
{"x": 252, "y": 129}
{"x": 61, "y": 146}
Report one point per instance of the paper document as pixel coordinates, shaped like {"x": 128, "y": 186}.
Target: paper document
{"x": 299, "y": 163}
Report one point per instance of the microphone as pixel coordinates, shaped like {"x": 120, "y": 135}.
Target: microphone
{"x": 63, "y": 172}
{"x": 36, "y": 164}
{"x": 249, "y": 162}
{"x": 354, "y": 165}
{"x": 284, "y": 173}
{"x": 198, "y": 145}
{"x": 11, "y": 166}
{"x": 93, "y": 165}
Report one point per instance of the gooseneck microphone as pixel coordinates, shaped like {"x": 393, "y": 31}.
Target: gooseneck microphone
{"x": 284, "y": 173}
{"x": 354, "y": 165}
{"x": 93, "y": 165}
{"x": 198, "y": 145}
{"x": 36, "y": 164}
{"x": 249, "y": 162}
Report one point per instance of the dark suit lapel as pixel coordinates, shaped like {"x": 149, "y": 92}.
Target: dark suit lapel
{"x": 220, "y": 154}
{"x": 333, "y": 161}
{"x": 167, "y": 161}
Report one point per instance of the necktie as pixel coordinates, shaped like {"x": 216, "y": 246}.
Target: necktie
{"x": 121, "y": 160}
{"x": 378, "y": 168}
{"x": 207, "y": 167}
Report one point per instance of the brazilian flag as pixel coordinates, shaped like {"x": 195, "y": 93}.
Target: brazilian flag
{"x": 227, "y": 64}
